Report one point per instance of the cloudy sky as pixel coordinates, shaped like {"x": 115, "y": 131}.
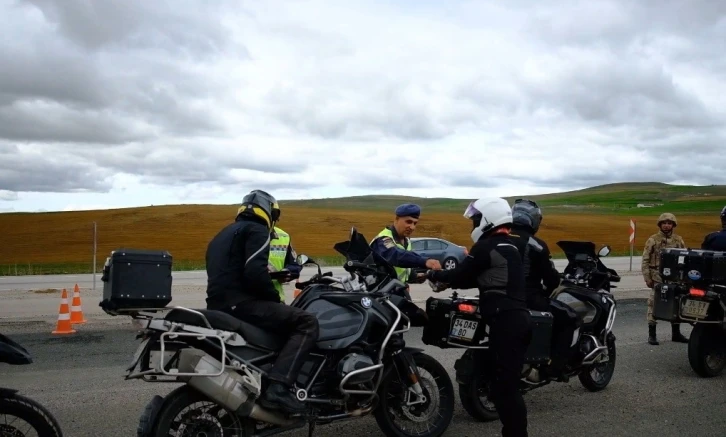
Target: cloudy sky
{"x": 109, "y": 104}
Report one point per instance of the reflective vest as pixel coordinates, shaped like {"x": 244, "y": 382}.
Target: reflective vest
{"x": 402, "y": 273}
{"x": 276, "y": 261}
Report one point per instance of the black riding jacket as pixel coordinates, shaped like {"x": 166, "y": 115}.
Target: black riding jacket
{"x": 237, "y": 259}
{"x": 715, "y": 241}
{"x": 538, "y": 267}
{"x": 494, "y": 266}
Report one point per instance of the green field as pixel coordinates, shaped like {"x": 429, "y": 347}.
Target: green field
{"x": 622, "y": 198}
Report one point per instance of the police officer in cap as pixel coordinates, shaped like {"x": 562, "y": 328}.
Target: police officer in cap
{"x": 394, "y": 245}
{"x": 494, "y": 266}
{"x": 716, "y": 240}
{"x": 239, "y": 284}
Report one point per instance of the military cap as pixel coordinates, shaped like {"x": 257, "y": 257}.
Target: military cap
{"x": 408, "y": 210}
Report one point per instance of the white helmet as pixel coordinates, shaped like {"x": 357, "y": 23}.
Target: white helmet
{"x": 488, "y": 213}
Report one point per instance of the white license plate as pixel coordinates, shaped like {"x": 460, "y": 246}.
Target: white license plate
{"x": 463, "y": 329}
{"x": 695, "y": 308}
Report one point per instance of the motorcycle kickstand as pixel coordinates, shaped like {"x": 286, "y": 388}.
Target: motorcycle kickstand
{"x": 311, "y": 427}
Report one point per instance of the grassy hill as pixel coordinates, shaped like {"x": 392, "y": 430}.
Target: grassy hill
{"x": 62, "y": 242}
{"x": 622, "y": 198}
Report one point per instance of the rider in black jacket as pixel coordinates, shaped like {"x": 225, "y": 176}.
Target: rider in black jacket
{"x": 239, "y": 283}
{"x": 494, "y": 266}
{"x": 541, "y": 279}
{"x": 716, "y": 240}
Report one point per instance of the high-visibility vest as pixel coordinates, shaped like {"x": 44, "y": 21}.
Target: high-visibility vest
{"x": 402, "y": 272}
{"x": 276, "y": 261}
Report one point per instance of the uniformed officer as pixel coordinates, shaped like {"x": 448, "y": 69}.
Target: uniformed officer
{"x": 716, "y": 240}
{"x": 394, "y": 245}
{"x": 664, "y": 238}
{"x": 282, "y": 257}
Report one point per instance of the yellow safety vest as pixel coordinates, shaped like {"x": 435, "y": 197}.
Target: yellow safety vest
{"x": 402, "y": 272}
{"x": 276, "y": 261}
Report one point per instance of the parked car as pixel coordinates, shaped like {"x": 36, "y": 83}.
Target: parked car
{"x": 448, "y": 253}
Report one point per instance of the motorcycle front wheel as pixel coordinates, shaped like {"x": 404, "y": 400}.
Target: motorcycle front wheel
{"x": 428, "y": 419}
{"x": 23, "y": 417}
{"x": 597, "y": 377}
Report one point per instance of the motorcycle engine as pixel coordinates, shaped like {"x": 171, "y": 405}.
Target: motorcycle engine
{"x": 352, "y": 362}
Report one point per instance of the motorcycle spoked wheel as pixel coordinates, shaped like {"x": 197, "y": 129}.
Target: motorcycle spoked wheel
{"x": 32, "y": 415}
{"x": 707, "y": 350}
{"x": 474, "y": 397}
{"x": 395, "y": 419}
{"x": 598, "y": 376}
{"x": 190, "y": 413}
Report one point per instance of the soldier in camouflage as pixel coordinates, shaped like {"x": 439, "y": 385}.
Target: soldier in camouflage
{"x": 664, "y": 238}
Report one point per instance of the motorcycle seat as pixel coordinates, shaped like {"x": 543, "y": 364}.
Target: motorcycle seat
{"x": 226, "y": 322}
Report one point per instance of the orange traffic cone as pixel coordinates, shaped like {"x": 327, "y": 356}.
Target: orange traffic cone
{"x": 64, "y": 317}
{"x": 76, "y": 310}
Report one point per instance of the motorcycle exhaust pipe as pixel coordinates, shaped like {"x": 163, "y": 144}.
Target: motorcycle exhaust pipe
{"x": 232, "y": 390}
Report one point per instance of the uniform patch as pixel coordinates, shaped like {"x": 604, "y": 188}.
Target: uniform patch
{"x": 388, "y": 242}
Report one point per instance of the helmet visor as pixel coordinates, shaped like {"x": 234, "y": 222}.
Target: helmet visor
{"x": 471, "y": 211}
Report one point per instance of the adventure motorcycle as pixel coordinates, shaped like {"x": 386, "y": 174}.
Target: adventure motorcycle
{"x": 22, "y": 415}
{"x": 694, "y": 292}
{"x": 585, "y": 288}
{"x": 360, "y": 366}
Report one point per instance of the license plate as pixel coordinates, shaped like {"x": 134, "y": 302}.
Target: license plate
{"x": 138, "y": 353}
{"x": 463, "y": 329}
{"x": 695, "y": 308}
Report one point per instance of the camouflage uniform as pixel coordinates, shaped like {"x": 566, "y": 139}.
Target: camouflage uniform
{"x": 650, "y": 264}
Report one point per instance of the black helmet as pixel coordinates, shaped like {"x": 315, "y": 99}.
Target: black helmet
{"x": 527, "y": 213}
{"x": 261, "y": 204}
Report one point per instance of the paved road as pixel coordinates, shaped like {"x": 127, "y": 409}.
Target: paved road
{"x": 654, "y": 391}
{"x": 198, "y": 277}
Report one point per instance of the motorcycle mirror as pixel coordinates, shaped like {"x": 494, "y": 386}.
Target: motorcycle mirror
{"x": 604, "y": 251}
{"x": 303, "y": 259}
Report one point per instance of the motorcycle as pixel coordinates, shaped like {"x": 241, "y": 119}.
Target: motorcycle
{"x": 693, "y": 291}
{"x": 585, "y": 286}
{"x": 36, "y": 417}
{"x": 360, "y": 365}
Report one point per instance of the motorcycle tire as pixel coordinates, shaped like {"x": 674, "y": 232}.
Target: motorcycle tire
{"x": 446, "y": 407}
{"x": 470, "y": 397}
{"x": 586, "y": 378}
{"x": 703, "y": 342}
{"x": 184, "y": 397}
{"x": 31, "y": 412}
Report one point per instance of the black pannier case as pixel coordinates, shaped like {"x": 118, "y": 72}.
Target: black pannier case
{"x": 136, "y": 278}
{"x": 436, "y": 330}
{"x": 667, "y": 301}
{"x": 539, "y": 346}
{"x": 698, "y": 268}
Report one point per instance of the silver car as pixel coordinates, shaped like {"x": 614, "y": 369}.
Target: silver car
{"x": 446, "y": 252}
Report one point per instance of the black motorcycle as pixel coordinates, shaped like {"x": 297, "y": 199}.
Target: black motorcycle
{"x": 694, "y": 292}
{"x": 21, "y": 415}
{"x": 455, "y": 322}
{"x": 360, "y": 366}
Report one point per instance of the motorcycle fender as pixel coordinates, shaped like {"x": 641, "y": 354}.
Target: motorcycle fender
{"x": 7, "y": 392}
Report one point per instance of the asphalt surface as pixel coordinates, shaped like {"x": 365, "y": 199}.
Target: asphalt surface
{"x": 79, "y": 377}
{"x": 199, "y": 277}
{"x": 654, "y": 392}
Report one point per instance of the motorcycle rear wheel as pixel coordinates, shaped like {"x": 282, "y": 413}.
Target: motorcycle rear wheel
{"x": 205, "y": 416}
{"x": 474, "y": 397}
{"x": 30, "y": 411}
{"x": 437, "y": 387}
{"x": 707, "y": 350}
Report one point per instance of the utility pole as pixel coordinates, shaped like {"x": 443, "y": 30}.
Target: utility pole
{"x": 94, "y": 255}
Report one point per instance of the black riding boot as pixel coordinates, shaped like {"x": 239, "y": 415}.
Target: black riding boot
{"x": 651, "y": 335}
{"x": 277, "y": 396}
{"x": 677, "y": 336}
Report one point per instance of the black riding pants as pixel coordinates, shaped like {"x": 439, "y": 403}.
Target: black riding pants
{"x": 299, "y": 327}
{"x": 509, "y": 336}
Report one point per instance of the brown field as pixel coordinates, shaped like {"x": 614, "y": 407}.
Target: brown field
{"x": 67, "y": 237}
